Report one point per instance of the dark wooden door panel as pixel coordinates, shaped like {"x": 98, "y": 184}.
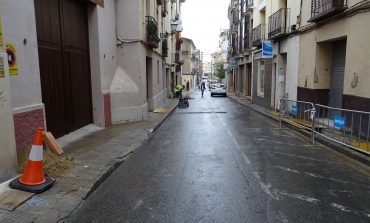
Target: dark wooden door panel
{"x": 80, "y": 90}
{"x": 52, "y": 90}
{"x": 74, "y": 24}
{"x": 62, "y": 31}
{"x": 47, "y": 21}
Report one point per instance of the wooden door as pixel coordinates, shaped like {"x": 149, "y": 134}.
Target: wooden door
{"x": 62, "y": 34}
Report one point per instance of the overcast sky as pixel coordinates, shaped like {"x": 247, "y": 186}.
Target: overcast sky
{"x": 202, "y": 21}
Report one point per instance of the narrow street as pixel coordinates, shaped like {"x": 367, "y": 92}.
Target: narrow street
{"x": 218, "y": 161}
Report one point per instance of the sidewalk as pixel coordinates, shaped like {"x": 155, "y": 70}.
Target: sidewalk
{"x": 96, "y": 156}
{"x": 274, "y": 116}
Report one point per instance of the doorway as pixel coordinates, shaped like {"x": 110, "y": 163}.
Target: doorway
{"x": 64, "y": 60}
{"x": 337, "y": 77}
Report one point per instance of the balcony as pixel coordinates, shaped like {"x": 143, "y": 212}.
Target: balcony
{"x": 258, "y": 35}
{"x": 279, "y": 23}
{"x": 152, "y": 39}
{"x": 322, "y": 9}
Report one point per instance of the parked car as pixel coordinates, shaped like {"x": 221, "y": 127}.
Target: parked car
{"x": 212, "y": 82}
{"x": 210, "y": 86}
{"x": 218, "y": 89}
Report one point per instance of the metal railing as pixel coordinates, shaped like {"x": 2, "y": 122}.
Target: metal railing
{"x": 301, "y": 113}
{"x": 346, "y": 127}
{"x": 321, "y": 9}
{"x": 152, "y": 38}
{"x": 278, "y": 23}
{"x": 258, "y": 35}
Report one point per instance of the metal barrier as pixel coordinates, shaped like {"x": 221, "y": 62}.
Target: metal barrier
{"x": 300, "y": 113}
{"x": 350, "y": 128}
{"x": 347, "y": 127}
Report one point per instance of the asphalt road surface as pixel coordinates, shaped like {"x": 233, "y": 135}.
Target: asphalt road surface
{"x": 218, "y": 161}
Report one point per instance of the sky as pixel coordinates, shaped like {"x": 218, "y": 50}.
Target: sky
{"x": 202, "y": 21}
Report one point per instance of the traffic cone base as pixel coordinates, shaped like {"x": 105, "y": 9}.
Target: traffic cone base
{"x": 33, "y": 179}
{"x": 15, "y": 184}
{"x": 30, "y": 175}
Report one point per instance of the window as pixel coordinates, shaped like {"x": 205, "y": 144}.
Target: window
{"x": 261, "y": 78}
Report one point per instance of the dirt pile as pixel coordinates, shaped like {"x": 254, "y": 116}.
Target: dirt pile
{"x": 54, "y": 165}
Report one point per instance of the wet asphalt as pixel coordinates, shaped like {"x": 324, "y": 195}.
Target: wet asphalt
{"x": 218, "y": 161}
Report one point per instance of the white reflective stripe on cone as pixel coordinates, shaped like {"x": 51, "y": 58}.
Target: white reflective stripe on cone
{"x": 36, "y": 153}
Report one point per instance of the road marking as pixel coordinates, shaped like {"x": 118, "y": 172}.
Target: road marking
{"x": 299, "y": 196}
{"x": 246, "y": 159}
{"x": 340, "y": 207}
{"x": 138, "y": 204}
{"x": 288, "y": 169}
{"x": 265, "y": 187}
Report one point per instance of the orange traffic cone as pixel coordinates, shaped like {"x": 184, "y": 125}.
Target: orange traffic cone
{"x": 33, "y": 179}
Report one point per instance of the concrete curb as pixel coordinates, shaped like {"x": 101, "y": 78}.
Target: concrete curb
{"x": 334, "y": 146}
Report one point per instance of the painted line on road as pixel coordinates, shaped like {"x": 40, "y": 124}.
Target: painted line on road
{"x": 246, "y": 159}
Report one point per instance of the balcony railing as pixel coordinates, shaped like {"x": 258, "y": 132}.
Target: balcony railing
{"x": 278, "y": 23}
{"x": 258, "y": 35}
{"x": 322, "y": 9}
{"x": 152, "y": 38}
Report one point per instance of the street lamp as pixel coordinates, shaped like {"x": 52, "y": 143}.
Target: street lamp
{"x": 175, "y": 27}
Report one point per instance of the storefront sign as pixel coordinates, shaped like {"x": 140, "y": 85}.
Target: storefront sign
{"x": 266, "y": 49}
{"x": 12, "y": 58}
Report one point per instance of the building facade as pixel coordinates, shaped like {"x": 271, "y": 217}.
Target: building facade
{"x": 88, "y": 62}
{"x": 190, "y": 55}
{"x": 333, "y": 67}
{"x": 240, "y": 47}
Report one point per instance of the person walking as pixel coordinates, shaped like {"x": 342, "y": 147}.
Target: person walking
{"x": 203, "y": 87}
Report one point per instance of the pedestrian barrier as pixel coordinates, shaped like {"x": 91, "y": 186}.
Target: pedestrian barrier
{"x": 297, "y": 113}
{"x": 350, "y": 128}
{"x": 347, "y": 127}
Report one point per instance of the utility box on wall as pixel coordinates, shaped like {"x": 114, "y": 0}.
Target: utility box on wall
{"x": 8, "y": 153}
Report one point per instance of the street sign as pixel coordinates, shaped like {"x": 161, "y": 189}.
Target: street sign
{"x": 226, "y": 65}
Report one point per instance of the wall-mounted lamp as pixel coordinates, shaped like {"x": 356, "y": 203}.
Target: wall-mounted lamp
{"x": 175, "y": 27}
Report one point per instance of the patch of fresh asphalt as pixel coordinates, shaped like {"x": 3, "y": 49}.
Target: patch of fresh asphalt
{"x": 230, "y": 167}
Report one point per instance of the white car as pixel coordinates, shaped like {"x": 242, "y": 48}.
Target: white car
{"x": 219, "y": 89}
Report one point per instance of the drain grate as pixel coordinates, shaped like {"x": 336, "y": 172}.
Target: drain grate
{"x": 205, "y": 112}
